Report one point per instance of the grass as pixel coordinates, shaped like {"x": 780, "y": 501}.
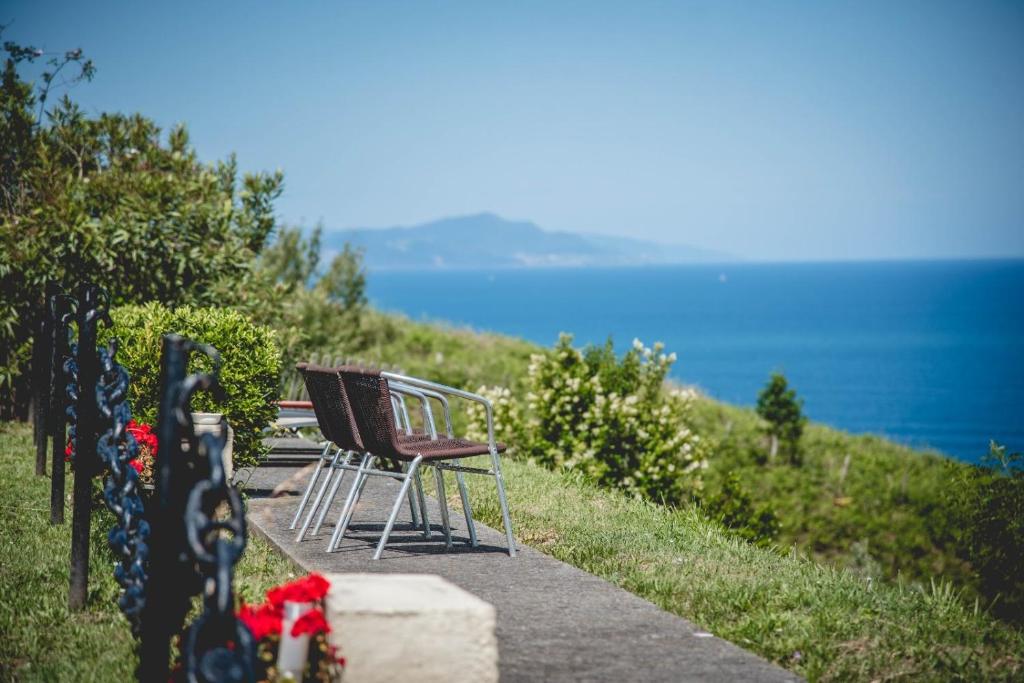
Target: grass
{"x": 39, "y": 639}
{"x": 822, "y": 622}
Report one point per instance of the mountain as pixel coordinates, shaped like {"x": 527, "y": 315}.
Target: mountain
{"x": 488, "y": 241}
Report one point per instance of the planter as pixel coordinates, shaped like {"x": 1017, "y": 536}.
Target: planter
{"x": 210, "y": 423}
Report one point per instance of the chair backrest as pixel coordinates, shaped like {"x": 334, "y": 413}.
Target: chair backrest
{"x": 372, "y": 409}
{"x": 332, "y": 407}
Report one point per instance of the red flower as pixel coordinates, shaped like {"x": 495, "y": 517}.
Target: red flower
{"x": 69, "y": 451}
{"x": 264, "y": 621}
{"x": 144, "y": 435}
{"x": 307, "y": 589}
{"x": 312, "y": 622}
{"x": 137, "y": 465}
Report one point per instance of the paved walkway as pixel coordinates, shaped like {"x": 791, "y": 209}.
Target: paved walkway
{"x": 555, "y": 622}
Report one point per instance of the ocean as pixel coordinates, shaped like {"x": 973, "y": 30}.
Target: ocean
{"x": 927, "y": 353}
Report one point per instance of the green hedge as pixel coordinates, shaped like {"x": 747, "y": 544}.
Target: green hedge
{"x": 249, "y": 373}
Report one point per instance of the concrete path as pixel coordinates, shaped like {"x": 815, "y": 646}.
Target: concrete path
{"x": 555, "y": 622}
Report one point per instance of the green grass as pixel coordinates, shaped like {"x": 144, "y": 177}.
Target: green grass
{"x": 860, "y": 502}
{"x": 819, "y": 621}
{"x": 39, "y": 639}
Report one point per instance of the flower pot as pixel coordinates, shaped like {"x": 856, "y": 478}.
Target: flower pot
{"x": 293, "y": 651}
{"x": 211, "y": 423}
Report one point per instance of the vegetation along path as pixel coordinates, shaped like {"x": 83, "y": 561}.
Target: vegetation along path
{"x": 555, "y": 622}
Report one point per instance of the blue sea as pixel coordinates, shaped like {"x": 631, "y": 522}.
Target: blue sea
{"x": 930, "y": 354}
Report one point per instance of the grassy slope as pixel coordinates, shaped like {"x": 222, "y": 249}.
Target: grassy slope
{"x": 824, "y": 623}
{"x": 39, "y": 639}
{"x": 883, "y": 519}
{"x": 881, "y": 514}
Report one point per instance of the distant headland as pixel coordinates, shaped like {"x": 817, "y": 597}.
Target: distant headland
{"x": 485, "y": 240}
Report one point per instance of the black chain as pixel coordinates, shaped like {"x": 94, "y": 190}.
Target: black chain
{"x": 217, "y": 647}
{"x": 116, "y": 447}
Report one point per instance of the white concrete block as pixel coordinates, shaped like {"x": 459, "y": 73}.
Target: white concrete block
{"x": 411, "y": 627}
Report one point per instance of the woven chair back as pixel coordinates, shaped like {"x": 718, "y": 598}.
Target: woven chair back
{"x": 332, "y": 407}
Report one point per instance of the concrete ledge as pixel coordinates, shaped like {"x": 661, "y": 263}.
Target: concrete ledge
{"x": 413, "y": 627}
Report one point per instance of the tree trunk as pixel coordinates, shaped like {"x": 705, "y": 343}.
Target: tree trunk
{"x": 774, "y": 448}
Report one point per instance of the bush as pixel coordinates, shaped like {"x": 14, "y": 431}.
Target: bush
{"x": 610, "y": 419}
{"x": 988, "y": 505}
{"x": 249, "y": 371}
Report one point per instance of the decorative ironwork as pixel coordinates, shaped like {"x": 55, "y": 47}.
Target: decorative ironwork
{"x": 194, "y": 547}
{"x": 116, "y": 447}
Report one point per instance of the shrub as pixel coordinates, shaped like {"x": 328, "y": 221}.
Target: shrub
{"x": 988, "y": 509}
{"x": 779, "y": 407}
{"x": 733, "y": 506}
{"x": 249, "y": 370}
{"x": 608, "y": 418}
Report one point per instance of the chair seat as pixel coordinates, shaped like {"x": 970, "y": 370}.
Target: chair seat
{"x": 442, "y": 448}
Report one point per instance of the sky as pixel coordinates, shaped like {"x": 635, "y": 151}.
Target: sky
{"x": 770, "y": 130}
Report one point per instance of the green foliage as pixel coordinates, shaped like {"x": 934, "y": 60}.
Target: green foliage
{"x": 858, "y": 501}
{"x": 112, "y": 200}
{"x": 988, "y": 510}
{"x": 607, "y": 418}
{"x": 249, "y": 371}
{"x": 781, "y": 409}
{"x": 733, "y": 506}
{"x": 311, "y": 309}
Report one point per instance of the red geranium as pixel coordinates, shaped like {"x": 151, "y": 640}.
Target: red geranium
{"x": 312, "y": 622}
{"x": 310, "y": 588}
{"x": 264, "y": 620}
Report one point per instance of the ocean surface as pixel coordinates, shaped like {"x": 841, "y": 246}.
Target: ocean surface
{"x": 930, "y": 354}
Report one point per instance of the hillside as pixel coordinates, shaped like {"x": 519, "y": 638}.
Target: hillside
{"x": 858, "y": 501}
{"x": 488, "y": 241}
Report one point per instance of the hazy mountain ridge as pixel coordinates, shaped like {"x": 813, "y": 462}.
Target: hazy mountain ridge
{"x": 488, "y": 241}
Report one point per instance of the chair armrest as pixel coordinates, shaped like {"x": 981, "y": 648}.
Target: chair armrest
{"x": 428, "y": 415}
{"x": 423, "y": 384}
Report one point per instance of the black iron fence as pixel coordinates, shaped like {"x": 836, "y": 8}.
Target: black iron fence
{"x": 186, "y": 539}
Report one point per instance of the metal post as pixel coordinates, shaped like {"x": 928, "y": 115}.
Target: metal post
{"x": 41, "y": 380}
{"x": 58, "y": 309}
{"x": 85, "y": 444}
{"x": 166, "y": 598}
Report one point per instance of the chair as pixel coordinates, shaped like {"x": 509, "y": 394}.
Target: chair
{"x": 370, "y": 397}
{"x": 331, "y": 406}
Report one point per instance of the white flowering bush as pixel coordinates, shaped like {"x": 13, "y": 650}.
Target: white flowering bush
{"x": 608, "y": 417}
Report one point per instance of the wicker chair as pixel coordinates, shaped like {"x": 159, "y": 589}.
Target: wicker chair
{"x": 330, "y": 403}
{"x": 370, "y": 395}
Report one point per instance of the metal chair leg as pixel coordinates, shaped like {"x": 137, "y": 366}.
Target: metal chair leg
{"x": 309, "y": 486}
{"x": 319, "y": 497}
{"x": 423, "y": 505}
{"x": 350, "y": 512}
{"x": 336, "y": 536}
{"x": 505, "y": 517}
{"x": 412, "y": 503}
{"x": 466, "y": 508}
{"x": 443, "y": 501}
{"x": 397, "y": 506}
{"x": 331, "y": 495}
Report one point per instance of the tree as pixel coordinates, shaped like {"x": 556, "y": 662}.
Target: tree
{"x": 312, "y": 309}
{"x": 779, "y": 407}
{"x": 113, "y": 200}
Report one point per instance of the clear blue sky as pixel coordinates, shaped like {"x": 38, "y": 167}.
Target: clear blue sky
{"x": 772, "y": 130}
